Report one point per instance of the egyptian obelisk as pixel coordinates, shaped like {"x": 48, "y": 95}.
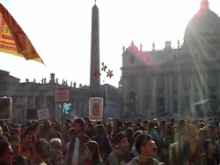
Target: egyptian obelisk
{"x": 95, "y": 53}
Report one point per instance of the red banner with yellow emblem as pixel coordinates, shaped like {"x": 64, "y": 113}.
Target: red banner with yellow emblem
{"x": 13, "y": 40}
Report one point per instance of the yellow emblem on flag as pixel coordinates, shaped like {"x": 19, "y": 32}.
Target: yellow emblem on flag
{"x": 13, "y": 40}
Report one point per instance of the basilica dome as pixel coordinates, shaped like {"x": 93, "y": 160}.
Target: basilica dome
{"x": 203, "y": 29}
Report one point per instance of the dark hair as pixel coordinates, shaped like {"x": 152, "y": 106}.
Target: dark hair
{"x": 41, "y": 146}
{"x": 94, "y": 149}
{"x": 80, "y": 122}
{"x": 141, "y": 141}
{"x": 150, "y": 126}
{"x": 145, "y": 122}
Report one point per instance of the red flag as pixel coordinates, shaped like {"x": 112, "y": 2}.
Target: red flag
{"x": 144, "y": 56}
{"x": 13, "y": 40}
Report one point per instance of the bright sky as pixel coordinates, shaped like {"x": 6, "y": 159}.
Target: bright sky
{"x": 60, "y": 30}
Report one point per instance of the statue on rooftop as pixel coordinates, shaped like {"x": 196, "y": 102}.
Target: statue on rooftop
{"x": 57, "y": 81}
{"x": 42, "y": 81}
{"x": 153, "y": 45}
{"x": 74, "y": 85}
{"x": 27, "y": 80}
{"x": 63, "y": 82}
{"x": 34, "y": 80}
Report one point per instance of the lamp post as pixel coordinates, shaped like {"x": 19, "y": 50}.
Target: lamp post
{"x": 19, "y": 105}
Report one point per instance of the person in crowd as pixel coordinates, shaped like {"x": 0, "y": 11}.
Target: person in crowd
{"x": 121, "y": 154}
{"x": 130, "y": 133}
{"x": 6, "y": 152}
{"x": 209, "y": 155}
{"x": 146, "y": 150}
{"x": 93, "y": 156}
{"x": 76, "y": 148}
{"x": 41, "y": 152}
{"x": 18, "y": 159}
{"x": 102, "y": 139}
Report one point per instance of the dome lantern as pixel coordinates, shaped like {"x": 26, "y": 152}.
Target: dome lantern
{"x": 204, "y": 4}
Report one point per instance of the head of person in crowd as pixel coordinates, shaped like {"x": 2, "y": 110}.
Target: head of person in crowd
{"x": 16, "y": 145}
{"x": 55, "y": 144}
{"x": 211, "y": 132}
{"x": 138, "y": 122}
{"x": 173, "y": 121}
{"x": 109, "y": 120}
{"x": 87, "y": 121}
{"x": 93, "y": 154}
{"x": 130, "y": 133}
{"x": 150, "y": 126}
{"x": 27, "y": 139}
{"x": 182, "y": 125}
{"x": 68, "y": 124}
{"x": 41, "y": 151}
{"x": 121, "y": 141}
{"x": 79, "y": 126}
{"x": 100, "y": 129}
{"x": 145, "y": 146}
{"x": 209, "y": 147}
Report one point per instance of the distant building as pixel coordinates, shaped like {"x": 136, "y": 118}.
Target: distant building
{"x": 183, "y": 76}
{"x": 32, "y": 95}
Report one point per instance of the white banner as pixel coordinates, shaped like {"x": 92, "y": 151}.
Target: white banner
{"x": 43, "y": 114}
{"x": 96, "y": 108}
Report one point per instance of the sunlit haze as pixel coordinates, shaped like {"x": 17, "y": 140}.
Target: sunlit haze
{"x": 60, "y": 31}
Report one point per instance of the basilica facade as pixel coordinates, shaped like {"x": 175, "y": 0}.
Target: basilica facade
{"x": 183, "y": 76}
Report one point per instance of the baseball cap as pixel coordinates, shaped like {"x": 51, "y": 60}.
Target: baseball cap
{"x": 119, "y": 136}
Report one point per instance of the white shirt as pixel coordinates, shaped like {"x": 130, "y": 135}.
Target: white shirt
{"x": 75, "y": 151}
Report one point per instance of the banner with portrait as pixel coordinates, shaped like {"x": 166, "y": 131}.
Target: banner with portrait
{"x": 96, "y": 108}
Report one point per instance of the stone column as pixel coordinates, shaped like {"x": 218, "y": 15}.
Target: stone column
{"x": 170, "y": 94}
{"x": 218, "y": 86}
{"x": 45, "y": 102}
{"x": 141, "y": 97}
{"x": 25, "y": 106}
{"x": 191, "y": 101}
{"x": 166, "y": 95}
{"x": 125, "y": 87}
{"x": 86, "y": 108}
{"x": 179, "y": 93}
{"x": 76, "y": 107}
{"x": 154, "y": 95}
{"x": 34, "y": 102}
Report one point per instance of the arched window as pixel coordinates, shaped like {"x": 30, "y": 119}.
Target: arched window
{"x": 132, "y": 60}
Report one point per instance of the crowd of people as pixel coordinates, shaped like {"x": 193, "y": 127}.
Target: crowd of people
{"x": 116, "y": 142}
